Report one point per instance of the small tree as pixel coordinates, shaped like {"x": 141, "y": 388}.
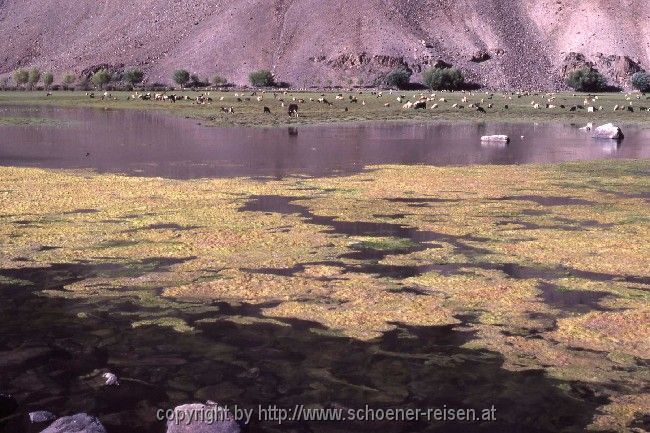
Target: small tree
{"x": 101, "y": 78}
{"x": 586, "y": 80}
{"x": 218, "y": 80}
{"x": 443, "y": 78}
{"x": 134, "y": 76}
{"x": 181, "y": 77}
{"x": 399, "y": 78}
{"x": 641, "y": 81}
{"x": 21, "y": 77}
{"x": 48, "y": 79}
{"x": 34, "y": 77}
{"x": 68, "y": 80}
{"x": 262, "y": 78}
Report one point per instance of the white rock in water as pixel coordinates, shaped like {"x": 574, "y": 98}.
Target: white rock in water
{"x": 499, "y": 138}
{"x": 216, "y": 419}
{"x": 111, "y": 379}
{"x": 608, "y": 131}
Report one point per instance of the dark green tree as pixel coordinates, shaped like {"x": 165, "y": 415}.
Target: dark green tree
{"x": 134, "y": 76}
{"x": 586, "y": 80}
{"x": 101, "y": 78}
{"x": 443, "y": 79}
{"x": 181, "y": 77}
{"x": 262, "y": 78}
{"x": 641, "y": 81}
{"x": 399, "y": 78}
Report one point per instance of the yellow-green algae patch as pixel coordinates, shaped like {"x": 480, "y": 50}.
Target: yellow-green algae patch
{"x": 483, "y": 240}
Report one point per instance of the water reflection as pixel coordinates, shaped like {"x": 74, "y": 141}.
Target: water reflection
{"x": 155, "y": 144}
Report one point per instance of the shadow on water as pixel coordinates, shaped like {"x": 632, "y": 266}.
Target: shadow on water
{"x": 51, "y": 359}
{"x": 155, "y": 144}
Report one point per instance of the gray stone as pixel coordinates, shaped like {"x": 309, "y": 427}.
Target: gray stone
{"x": 41, "y": 416}
{"x": 79, "y": 423}
{"x": 608, "y": 131}
{"x": 216, "y": 419}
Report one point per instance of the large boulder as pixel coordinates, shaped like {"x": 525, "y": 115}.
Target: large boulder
{"x": 79, "y": 423}
{"x": 201, "y": 418}
{"x": 608, "y": 131}
{"x": 480, "y": 56}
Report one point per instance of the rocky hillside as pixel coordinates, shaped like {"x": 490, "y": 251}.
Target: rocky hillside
{"x": 506, "y": 44}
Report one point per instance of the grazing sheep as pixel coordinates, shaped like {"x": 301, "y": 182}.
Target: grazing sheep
{"x": 407, "y": 105}
{"x": 505, "y": 107}
{"x": 434, "y": 106}
{"x": 480, "y": 109}
{"x": 420, "y": 105}
{"x": 387, "y": 104}
{"x": 259, "y": 99}
{"x": 267, "y": 110}
{"x": 239, "y": 100}
{"x": 293, "y": 110}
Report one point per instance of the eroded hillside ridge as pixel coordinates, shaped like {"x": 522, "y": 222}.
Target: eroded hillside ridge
{"x": 505, "y": 44}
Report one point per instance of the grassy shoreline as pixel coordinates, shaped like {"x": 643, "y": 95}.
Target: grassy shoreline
{"x": 250, "y": 112}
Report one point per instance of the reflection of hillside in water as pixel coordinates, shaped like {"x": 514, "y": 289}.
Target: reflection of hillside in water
{"x": 155, "y": 144}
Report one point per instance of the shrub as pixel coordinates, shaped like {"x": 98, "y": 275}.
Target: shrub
{"x": 34, "y": 77}
{"x": 21, "y": 77}
{"x": 48, "y": 79}
{"x": 262, "y": 78}
{"x": 100, "y": 78}
{"x": 641, "y": 81}
{"x": 134, "y": 76}
{"x": 586, "y": 80}
{"x": 399, "y": 78}
{"x": 181, "y": 77}
{"x": 443, "y": 78}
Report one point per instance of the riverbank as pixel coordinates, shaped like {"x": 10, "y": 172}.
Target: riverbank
{"x": 544, "y": 264}
{"x": 248, "y": 111}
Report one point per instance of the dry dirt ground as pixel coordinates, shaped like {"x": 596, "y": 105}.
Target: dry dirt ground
{"x": 309, "y": 42}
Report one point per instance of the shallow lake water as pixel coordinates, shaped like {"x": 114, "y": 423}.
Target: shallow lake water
{"x": 158, "y": 144}
{"x": 51, "y": 358}
{"x": 53, "y": 350}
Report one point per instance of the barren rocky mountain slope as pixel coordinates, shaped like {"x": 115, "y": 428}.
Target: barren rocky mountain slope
{"x": 515, "y": 43}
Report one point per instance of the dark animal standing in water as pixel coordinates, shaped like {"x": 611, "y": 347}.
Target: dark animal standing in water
{"x": 267, "y": 110}
{"x": 293, "y": 110}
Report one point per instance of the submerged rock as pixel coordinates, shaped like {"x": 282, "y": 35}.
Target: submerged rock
{"x": 608, "y": 131}
{"x": 111, "y": 379}
{"x": 41, "y": 416}
{"x": 201, "y": 418}
{"x": 497, "y": 138}
{"x": 79, "y": 423}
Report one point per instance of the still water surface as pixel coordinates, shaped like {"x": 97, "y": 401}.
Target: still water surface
{"x": 157, "y": 144}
